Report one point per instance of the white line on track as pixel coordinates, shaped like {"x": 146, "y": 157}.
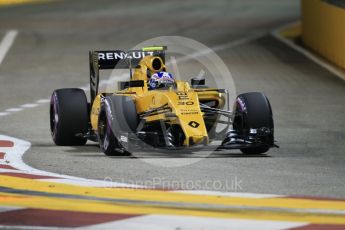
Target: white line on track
{"x": 43, "y": 101}
{"x": 157, "y": 222}
{"x": 14, "y": 158}
{"x": 29, "y": 105}
{"x": 14, "y": 109}
{"x": 6, "y": 43}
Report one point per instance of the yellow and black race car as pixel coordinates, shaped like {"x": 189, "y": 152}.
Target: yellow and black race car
{"x": 154, "y": 110}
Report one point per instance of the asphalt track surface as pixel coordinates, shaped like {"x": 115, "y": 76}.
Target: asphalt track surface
{"x": 51, "y": 49}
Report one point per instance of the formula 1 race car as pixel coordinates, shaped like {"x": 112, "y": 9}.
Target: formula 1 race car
{"x": 154, "y": 110}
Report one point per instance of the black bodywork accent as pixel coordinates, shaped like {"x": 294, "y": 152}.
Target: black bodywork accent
{"x": 128, "y": 84}
{"x": 236, "y": 140}
{"x": 197, "y": 82}
{"x": 159, "y": 110}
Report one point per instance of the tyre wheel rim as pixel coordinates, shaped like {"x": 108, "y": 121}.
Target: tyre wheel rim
{"x": 106, "y": 141}
{"x": 103, "y": 136}
{"x": 54, "y": 116}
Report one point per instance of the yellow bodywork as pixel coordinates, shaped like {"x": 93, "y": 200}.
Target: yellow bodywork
{"x": 182, "y": 102}
{"x": 323, "y": 24}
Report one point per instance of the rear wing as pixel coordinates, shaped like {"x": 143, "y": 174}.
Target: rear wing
{"x": 118, "y": 59}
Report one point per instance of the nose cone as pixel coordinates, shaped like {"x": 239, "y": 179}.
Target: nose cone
{"x": 191, "y": 119}
{"x": 194, "y": 129}
{"x": 196, "y": 140}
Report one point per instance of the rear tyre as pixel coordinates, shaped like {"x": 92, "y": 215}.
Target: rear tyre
{"x": 68, "y": 117}
{"x": 118, "y": 114}
{"x": 253, "y": 111}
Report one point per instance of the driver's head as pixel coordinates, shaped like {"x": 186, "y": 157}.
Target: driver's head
{"x": 161, "y": 80}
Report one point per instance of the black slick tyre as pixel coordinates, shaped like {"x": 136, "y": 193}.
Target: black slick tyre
{"x": 68, "y": 117}
{"x": 253, "y": 111}
{"x": 118, "y": 114}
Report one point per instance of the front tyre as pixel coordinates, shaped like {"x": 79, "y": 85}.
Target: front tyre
{"x": 106, "y": 137}
{"x": 118, "y": 114}
{"x": 253, "y": 112}
{"x": 68, "y": 117}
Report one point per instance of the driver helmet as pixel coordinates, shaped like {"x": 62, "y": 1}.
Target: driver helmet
{"x": 160, "y": 80}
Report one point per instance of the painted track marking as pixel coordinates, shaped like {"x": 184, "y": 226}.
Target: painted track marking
{"x": 14, "y": 109}
{"x": 29, "y": 105}
{"x": 6, "y": 43}
{"x": 54, "y": 186}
